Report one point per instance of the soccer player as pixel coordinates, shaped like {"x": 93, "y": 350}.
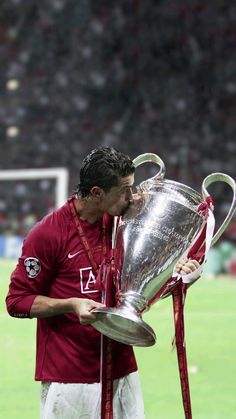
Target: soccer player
{"x": 55, "y": 282}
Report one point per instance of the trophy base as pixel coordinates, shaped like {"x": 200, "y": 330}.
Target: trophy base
{"x": 123, "y": 326}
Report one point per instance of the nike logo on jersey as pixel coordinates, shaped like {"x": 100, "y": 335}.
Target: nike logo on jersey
{"x": 72, "y": 255}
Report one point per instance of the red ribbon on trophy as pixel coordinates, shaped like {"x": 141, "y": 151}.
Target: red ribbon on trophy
{"x": 105, "y": 282}
{"x": 106, "y": 347}
{"x": 198, "y": 252}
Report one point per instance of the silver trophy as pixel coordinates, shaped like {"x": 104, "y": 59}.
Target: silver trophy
{"x": 159, "y": 227}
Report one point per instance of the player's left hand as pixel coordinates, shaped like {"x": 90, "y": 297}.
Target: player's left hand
{"x": 186, "y": 266}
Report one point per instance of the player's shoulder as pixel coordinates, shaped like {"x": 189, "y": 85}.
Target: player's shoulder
{"x": 51, "y": 225}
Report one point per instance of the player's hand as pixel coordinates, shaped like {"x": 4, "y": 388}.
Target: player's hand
{"x": 186, "y": 266}
{"x": 83, "y": 308}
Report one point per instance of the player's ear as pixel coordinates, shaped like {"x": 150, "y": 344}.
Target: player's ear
{"x": 97, "y": 192}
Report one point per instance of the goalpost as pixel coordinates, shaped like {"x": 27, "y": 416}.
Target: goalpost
{"x": 59, "y": 174}
{"x": 10, "y": 245}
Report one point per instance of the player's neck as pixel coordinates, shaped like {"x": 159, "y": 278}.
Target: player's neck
{"x": 86, "y": 210}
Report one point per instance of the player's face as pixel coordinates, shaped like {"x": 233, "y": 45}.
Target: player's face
{"x": 117, "y": 199}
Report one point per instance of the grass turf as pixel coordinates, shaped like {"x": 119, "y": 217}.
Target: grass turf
{"x": 210, "y": 316}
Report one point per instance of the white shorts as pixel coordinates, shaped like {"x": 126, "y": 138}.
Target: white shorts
{"x": 82, "y": 401}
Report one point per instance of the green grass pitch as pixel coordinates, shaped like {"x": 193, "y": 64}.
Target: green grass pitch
{"x": 210, "y": 317}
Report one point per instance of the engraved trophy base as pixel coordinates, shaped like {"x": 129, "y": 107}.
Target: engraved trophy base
{"x": 123, "y": 326}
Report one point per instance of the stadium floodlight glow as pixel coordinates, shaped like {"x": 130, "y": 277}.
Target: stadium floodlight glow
{"x": 12, "y": 131}
{"x": 12, "y": 84}
{"x": 59, "y": 174}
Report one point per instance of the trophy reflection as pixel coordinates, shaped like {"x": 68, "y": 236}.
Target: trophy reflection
{"x": 160, "y": 225}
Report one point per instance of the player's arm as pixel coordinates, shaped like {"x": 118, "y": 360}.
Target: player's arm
{"x": 33, "y": 272}
{"x": 46, "y": 307}
{"x": 30, "y": 282}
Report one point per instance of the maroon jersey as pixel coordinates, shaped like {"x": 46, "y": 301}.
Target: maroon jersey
{"x": 54, "y": 263}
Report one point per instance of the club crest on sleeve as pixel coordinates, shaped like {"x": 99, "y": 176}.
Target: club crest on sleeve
{"x": 32, "y": 267}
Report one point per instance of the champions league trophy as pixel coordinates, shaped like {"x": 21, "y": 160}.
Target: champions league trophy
{"x": 160, "y": 225}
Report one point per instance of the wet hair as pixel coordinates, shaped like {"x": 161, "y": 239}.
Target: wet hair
{"x": 103, "y": 167}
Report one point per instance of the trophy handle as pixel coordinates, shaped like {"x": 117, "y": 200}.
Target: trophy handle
{"x": 220, "y": 177}
{"x": 153, "y": 158}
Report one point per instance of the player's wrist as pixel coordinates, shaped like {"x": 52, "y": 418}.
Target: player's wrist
{"x": 73, "y": 304}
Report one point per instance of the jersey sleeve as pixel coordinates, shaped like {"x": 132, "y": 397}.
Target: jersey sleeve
{"x": 34, "y": 271}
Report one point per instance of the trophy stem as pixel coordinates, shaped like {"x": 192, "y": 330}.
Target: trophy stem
{"x": 124, "y": 322}
{"x": 132, "y": 301}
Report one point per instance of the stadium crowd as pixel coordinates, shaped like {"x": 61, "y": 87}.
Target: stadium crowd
{"x": 151, "y": 76}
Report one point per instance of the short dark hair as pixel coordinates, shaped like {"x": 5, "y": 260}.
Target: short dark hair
{"x": 102, "y": 167}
